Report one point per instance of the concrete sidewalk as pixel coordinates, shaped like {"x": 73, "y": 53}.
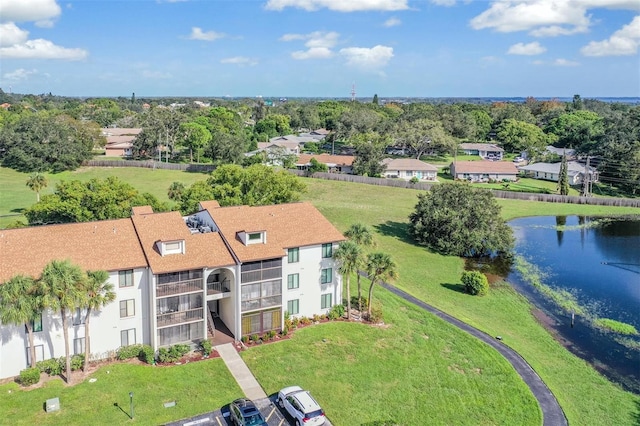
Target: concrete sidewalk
{"x": 240, "y": 372}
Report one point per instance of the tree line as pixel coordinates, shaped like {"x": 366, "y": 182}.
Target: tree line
{"x": 49, "y": 133}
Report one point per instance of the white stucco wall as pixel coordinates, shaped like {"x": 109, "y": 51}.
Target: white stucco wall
{"x": 105, "y": 327}
{"x": 309, "y": 293}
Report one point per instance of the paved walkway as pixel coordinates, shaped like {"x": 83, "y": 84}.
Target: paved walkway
{"x": 240, "y": 372}
{"x": 552, "y": 414}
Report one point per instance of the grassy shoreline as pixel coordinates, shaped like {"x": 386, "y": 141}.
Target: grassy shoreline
{"x": 585, "y": 395}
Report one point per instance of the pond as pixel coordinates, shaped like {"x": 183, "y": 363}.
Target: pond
{"x": 580, "y": 269}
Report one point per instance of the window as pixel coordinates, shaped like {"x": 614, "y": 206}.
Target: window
{"x": 325, "y": 301}
{"x": 125, "y": 278}
{"x": 327, "y": 250}
{"x": 39, "y": 354}
{"x": 294, "y": 255}
{"x": 78, "y": 346}
{"x": 127, "y": 308}
{"x": 36, "y": 324}
{"x": 256, "y": 236}
{"x": 293, "y": 281}
{"x": 78, "y": 316}
{"x": 293, "y": 307}
{"x": 128, "y": 337}
{"x": 261, "y": 295}
{"x": 325, "y": 276}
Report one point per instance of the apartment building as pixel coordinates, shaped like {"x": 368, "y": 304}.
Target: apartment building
{"x": 176, "y": 276}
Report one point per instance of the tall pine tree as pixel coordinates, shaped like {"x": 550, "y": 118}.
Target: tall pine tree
{"x": 563, "y": 177}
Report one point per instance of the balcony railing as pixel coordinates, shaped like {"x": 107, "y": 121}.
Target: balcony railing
{"x": 189, "y": 286}
{"x": 218, "y": 287}
{"x": 179, "y": 317}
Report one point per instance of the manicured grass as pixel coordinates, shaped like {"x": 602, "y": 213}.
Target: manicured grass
{"x": 414, "y": 369}
{"x": 15, "y": 196}
{"x": 585, "y": 396}
{"x": 196, "y": 387}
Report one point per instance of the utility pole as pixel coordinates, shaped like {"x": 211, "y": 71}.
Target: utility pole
{"x": 586, "y": 192}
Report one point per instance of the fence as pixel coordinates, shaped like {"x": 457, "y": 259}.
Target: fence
{"x": 150, "y": 164}
{"x": 512, "y": 195}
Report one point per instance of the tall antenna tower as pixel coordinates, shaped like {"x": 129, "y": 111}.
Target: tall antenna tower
{"x": 353, "y": 92}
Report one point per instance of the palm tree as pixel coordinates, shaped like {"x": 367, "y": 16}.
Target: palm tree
{"x": 21, "y": 304}
{"x": 37, "y": 182}
{"x": 62, "y": 285}
{"x": 360, "y": 234}
{"x": 99, "y": 293}
{"x": 349, "y": 254}
{"x": 380, "y": 266}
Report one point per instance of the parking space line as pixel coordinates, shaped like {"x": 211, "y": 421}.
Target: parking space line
{"x": 218, "y": 419}
{"x": 281, "y": 422}
{"x": 271, "y": 413}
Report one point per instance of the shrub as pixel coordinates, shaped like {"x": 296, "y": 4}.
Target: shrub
{"x": 336, "y": 312}
{"x": 305, "y": 321}
{"x": 77, "y": 361}
{"x": 244, "y": 339}
{"x": 255, "y": 338}
{"x": 147, "y": 354}
{"x": 354, "y": 303}
{"x": 475, "y": 283}
{"x": 52, "y": 367}
{"x": 288, "y": 323}
{"x": 269, "y": 335}
{"x": 414, "y": 180}
{"x": 206, "y": 347}
{"x": 376, "y": 314}
{"x": 29, "y": 376}
{"x": 317, "y": 318}
{"x": 128, "y": 352}
{"x": 284, "y": 331}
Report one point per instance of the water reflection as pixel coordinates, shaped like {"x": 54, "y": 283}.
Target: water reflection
{"x": 596, "y": 261}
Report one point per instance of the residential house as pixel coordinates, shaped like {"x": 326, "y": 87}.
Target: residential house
{"x": 551, "y": 171}
{"x": 485, "y": 150}
{"x": 484, "y": 171}
{"x": 317, "y": 135}
{"x": 177, "y": 278}
{"x": 407, "y": 168}
{"x": 119, "y": 141}
{"x": 335, "y": 163}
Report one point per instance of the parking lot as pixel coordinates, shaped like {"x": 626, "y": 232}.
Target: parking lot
{"x": 267, "y": 407}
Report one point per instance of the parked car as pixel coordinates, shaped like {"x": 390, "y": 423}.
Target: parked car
{"x": 518, "y": 160}
{"x": 243, "y": 412}
{"x": 301, "y": 406}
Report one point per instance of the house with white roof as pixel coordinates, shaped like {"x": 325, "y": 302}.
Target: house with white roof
{"x": 408, "y": 168}
{"x": 551, "y": 171}
{"x": 179, "y": 279}
{"x": 484, "y": 150}
{"x": 484, "y": 171}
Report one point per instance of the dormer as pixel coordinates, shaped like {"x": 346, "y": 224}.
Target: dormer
{"x": 171, "y": 247}
{"x": 253, "y": 237}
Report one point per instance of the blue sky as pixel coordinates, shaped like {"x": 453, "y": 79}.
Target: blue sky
{"x": 321, "y": 48}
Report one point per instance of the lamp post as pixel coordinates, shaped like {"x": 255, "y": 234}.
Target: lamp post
{"x": 131, "y": 405}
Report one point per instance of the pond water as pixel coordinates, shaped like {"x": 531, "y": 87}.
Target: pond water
{"x": 597, "y": 261}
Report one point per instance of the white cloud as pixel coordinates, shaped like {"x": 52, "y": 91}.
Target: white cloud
{"x": 392, "y": 22}
{"x": 10, "y": 34}
{"x": 198, "y": 34}
{"x": 445, "y": 3}
{"x": 565, "y": 63}
{"x": 313, "y": 53}
{"x": 370, "y": 58}
{"x": 625, "y": 41}
{"x": 41, "y": 49}
{"x": 339, "y": 5}
{"x": 39, "y": 11}
{"x": 318, "y": 43}
{"x": 542, "y": 17}
{"x": 239, "y": 60}
{"x": 19, "y": 74}
{"x": 526, "y": 49}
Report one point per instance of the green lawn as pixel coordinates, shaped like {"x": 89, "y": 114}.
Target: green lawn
{"x": 450, "y": 375}
{"x": 196, "y": 387}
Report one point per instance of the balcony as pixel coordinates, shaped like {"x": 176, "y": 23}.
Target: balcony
{"x": 180, "y": 317}
{"x": 189, "y": 286}
{"x": 217, "y": 287}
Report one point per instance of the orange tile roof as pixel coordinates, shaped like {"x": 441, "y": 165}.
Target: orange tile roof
{"x": 109, "y": 245}
{"x": 286, "y": 226}
{"x": 341, "y": 160}
{"x": 208, "y": 205}
{"x": 201, "y": 250}
{"x": 485, "y": 167}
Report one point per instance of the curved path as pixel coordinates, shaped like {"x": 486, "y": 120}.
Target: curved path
{"x": 552, "y": 414}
